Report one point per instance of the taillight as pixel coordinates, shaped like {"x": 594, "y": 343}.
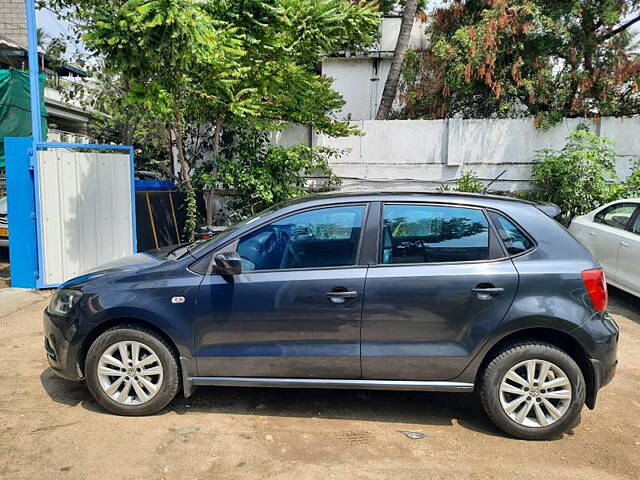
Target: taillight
{"x": 596, "y": 284}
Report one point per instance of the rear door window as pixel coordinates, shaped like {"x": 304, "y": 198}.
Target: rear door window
{"x": 433, "y": 234}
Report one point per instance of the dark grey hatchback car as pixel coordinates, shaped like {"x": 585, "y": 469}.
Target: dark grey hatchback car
{"x": 438, "y": 292}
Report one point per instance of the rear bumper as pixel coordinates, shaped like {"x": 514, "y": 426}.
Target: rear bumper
{"x": 62, "y": 346}
{"x": 599, "y": 336}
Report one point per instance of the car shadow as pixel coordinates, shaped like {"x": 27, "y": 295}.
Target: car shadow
{"x": 64, "y": 391}
{"x": 422, "y": 408}
{"x": 625, "y": 304}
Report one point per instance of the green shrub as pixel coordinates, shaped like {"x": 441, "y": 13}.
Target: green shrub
{"x": 576, "y": 178}
{"x": 631, "y": 186}
{"x": 468, "y": 182}
{"x": 255, "y": 175}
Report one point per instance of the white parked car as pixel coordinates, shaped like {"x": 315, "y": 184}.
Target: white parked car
{"x": 612, "y": 234}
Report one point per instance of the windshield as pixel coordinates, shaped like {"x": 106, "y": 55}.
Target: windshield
{"x": 3, "y": 204}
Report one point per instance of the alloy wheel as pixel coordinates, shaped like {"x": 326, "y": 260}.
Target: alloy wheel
{"x": 535, "y": 393}
{"x": 130, "y": 373}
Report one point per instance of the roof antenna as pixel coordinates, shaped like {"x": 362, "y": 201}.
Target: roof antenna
{"x": 484, "y": 190}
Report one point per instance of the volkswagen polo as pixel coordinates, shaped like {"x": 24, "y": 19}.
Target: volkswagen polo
{"x": 437, "y": 292}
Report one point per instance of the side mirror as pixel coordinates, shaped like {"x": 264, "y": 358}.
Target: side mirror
{"x": 228, "y": 263}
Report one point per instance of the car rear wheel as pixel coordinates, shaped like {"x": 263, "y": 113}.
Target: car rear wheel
{"x": 533, "y": 391}
{"x": 131, "y": 371}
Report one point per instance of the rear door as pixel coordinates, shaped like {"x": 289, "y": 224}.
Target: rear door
{"x": 440, "y": 287}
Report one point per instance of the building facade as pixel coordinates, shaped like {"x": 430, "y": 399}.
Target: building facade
{"x": 13, "y": 21}
{"x": 360, "y": 76}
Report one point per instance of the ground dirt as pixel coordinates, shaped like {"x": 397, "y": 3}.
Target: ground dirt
{"x": 51, "y": 428}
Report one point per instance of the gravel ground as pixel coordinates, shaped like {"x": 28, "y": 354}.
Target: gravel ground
{"x": 50, "y": 428}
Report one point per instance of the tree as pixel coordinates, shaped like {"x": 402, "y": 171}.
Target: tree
{"x": 508, "y": 58}
{"x": 227, "y": 65}
{"x": 279, "y": 82}
{"x": 402, "y": 44}
{"x": 118, "y": 120}
{"x": 157, "y": 46}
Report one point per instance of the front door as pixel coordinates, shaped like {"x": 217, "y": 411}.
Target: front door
{"x": 436, "y": 295}
{"x": 295, "y": 310}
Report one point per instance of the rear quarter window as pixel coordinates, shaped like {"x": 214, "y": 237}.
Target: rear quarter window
{"x": 513, "y": 238}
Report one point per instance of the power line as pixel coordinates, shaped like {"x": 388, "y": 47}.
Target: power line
{"x": 58, "y": 15}
{"x": 55, "y": 19}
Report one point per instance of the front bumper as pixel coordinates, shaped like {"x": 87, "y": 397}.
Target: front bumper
{"x": 62, "y": 345}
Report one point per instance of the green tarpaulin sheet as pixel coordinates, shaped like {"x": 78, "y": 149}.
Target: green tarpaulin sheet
{"x": 15, "y": 106}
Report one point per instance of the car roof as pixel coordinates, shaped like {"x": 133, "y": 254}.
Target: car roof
{"x": 454, "y": 198}
{"x": 612, "y": 203}
{"x": 386, "y": 196}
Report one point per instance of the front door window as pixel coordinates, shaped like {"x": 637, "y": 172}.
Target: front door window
{"x": 326, "y": 237}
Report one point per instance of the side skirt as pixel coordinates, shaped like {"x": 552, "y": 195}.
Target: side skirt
{"x": 429, "y": 386}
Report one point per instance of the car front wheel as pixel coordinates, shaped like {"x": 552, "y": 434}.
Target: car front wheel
{"x": 131, "y": 371}
{"x": 533, "y": 391}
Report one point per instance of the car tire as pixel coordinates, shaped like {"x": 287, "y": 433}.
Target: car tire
{"x": 131, "y": 370}
{"x": 529, "y": 406}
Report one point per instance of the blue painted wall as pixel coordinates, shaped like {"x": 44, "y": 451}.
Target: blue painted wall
{"x": 23, "y": 251}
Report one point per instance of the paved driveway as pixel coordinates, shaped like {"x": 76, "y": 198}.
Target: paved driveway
{"x": 50, "y": 428}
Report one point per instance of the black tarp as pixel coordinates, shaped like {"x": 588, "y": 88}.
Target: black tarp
{"x": 159, "y": 218}
{"x": 15, "y": 106}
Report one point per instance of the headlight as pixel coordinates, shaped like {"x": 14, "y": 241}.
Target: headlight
{"x": 63, "y": 300}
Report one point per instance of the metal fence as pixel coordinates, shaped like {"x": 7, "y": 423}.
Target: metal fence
{"x": 85, "y": 208}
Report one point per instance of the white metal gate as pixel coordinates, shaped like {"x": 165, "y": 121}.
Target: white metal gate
{"x": 86, "y": 211}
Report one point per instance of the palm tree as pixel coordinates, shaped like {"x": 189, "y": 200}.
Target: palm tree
{"x": 391, "y": 85}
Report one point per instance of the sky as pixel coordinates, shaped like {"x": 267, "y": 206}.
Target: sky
{"x": 51, "y": 25}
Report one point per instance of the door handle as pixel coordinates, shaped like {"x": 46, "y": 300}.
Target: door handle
{"x": 341, "y": 295}
{"x": 593, "y": 234}
{"x": 625, "y": 244}
{"x": 485, "y": 293}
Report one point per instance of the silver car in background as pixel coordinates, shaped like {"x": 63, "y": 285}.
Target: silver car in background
{"x": 612, "y": 234}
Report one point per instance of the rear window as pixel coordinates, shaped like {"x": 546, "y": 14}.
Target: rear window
{"x": 513, "y": 238}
